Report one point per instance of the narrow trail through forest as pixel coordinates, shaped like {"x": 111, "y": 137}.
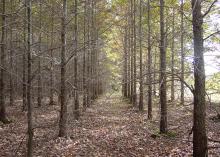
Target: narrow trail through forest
{"x": 110, "y": 127}
{"x": 114, "y": 129}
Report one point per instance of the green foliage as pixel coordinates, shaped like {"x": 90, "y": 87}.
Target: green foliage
{"x": 119, "y": 2}
{"x": 171, "y": 134}
{"x": 212, "y": 84}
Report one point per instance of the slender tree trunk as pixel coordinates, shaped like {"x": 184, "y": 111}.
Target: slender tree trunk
{"x": 129, "y": 58}
{"x": 84, "y": 58}
{"x": 2, "y": 78}
{"x": 63, "y": 112}
{"x": 51, "y": 60}
{"x": 92, "y": 51}
{"x": 182, "y": 55}
{"x": 11, "y": 92}
{"x": 16, "y": 84}
{"x": 76, "y": 99}
{"x": 199, "y": 127}
{"x": 132, "y": 50}
{"x": 24, "y": 76}
{"x": 163, "y": 94}
{"x": 96, "y": 61}
{"x": 141, "y": 105}
{"x": 97, "y": 65}
{"x": 24, "y": 90}
{"x": 125, "y": 75}
{"x": 89, "y": 79}
{"x": 95, "y": 31}
{"x": 155, "y": 71}
{"x": 126, "y": 62}
{"x": 29, "y": 66}
{"x": 134, "y": 55}
{"x": 39, "y": 89}
{"x": 172, "y": 56}
{"x": 149, "y": 61}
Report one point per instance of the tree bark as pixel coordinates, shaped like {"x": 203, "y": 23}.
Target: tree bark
{"x": 51, "y": 60}
{"x": 63, "y": 112}
{"x": 11, "y": 92}
{"x": 129, "y": 57}
{"x": 172, "y": 56}
{"x": 163, "y": 94}
{"x": 125, "y": 73}
{"x": 2, "y": 78}
{"x": 199, "y": 127}
{"x": 92, "y": 61}
{"x": 149, "y": 61}
{"x": 132, "y": 49}
{"x": 88, "y": 60}
{"x": 76, "y": 99}
{"x": 182, "y": 56}
{"x": 141, "y": 105}
{"x": 39, "y": 82}
{"x": 24, "y": 58}
{"x": 84, "y": 57}
{"x": 154, "y": 75}
{"x": 29, "y": 67}
{"x": 134, "y": 56}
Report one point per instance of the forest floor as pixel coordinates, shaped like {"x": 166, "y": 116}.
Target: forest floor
{"x": 110, "y": 127}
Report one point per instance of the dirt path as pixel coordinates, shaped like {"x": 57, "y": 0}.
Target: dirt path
{"x": 110, "y": 127}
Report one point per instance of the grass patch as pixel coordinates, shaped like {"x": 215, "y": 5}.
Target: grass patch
{"x": 171, "y": 134}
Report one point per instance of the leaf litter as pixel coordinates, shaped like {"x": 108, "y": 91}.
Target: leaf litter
{"x": 110, "y": 127}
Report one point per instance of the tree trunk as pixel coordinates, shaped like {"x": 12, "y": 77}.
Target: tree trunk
{"x": 199, "y": 126}
{"x": 125, "y": 78}
{"x": 88, "y": 60}
{"x": 132, "y": 50}
{"x": 96, "y": 62}
{"x": 2, "y": 78}
{"x": 63, "y": 112}
{"x": 163, "y": 94}
{"x": 11, "y": 92}
{"x": 149, "y": 61}
{"x": 92, "y": 64}
{"x": 129, "y": 58}
{"x": 24, "y": 81}
{"x": 84, "y": 58}
{"x": 51, "y": 59}
{"x": 141, "y": 105}
{"x": 29, "y": 66}
{"x": 172, "y": 55}
{"x": 39, "y": 89}
{"x": 182, "y": 56}
{"x": 76, "y": 99}
{"x": 134, "y": 55}
{"x": 155, "y": 71}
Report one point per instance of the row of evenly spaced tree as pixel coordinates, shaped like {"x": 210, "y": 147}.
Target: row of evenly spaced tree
{"x": 51, "y": 51}
{"x": 161, "y": 37}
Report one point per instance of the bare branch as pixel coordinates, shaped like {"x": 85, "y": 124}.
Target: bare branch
{"x": 217, "y": 32}
{"x": 210, "y": 8}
